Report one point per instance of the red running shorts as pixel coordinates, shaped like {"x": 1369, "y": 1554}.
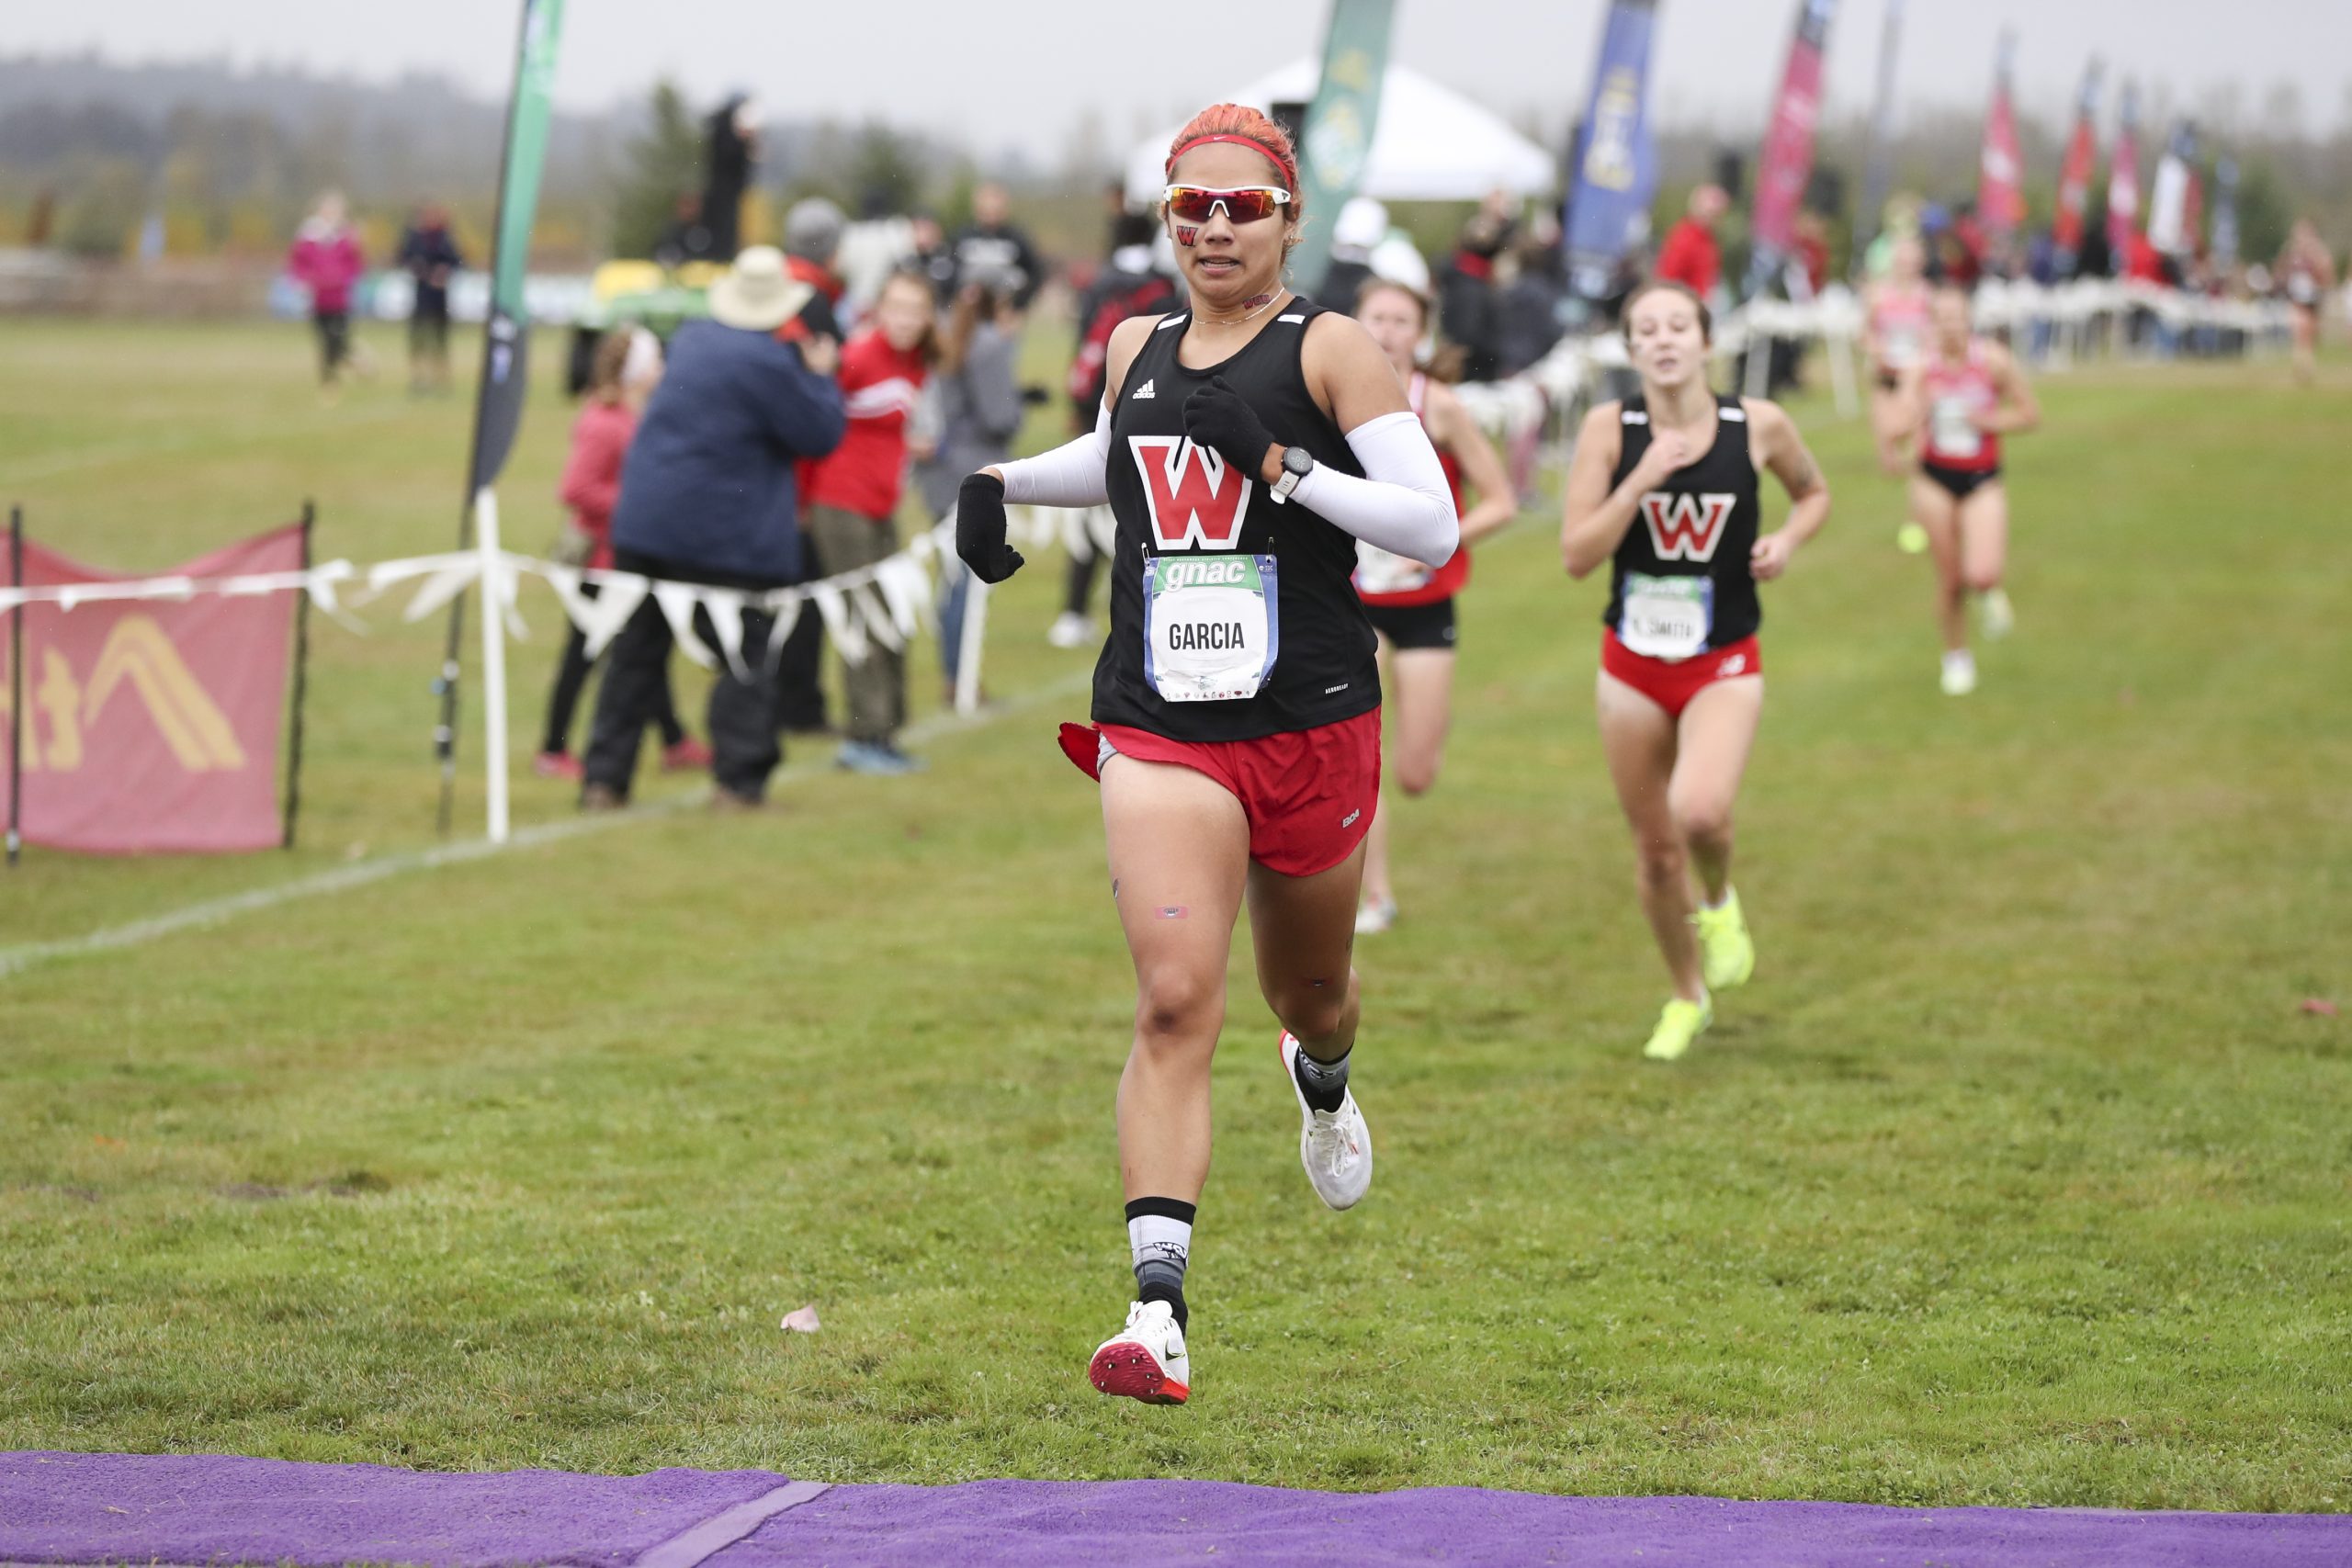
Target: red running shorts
{"x": 1308, "y": 794}
{"x": 1672, "y": 684}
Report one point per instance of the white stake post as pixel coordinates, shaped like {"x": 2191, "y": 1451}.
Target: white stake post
{"x": 1841, "y": 354}
{"x": 494, "y": 660}
{"x": 976, "y": 625}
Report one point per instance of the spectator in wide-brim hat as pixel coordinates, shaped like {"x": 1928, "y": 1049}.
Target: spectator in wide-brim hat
{"x": 709, "y": 495}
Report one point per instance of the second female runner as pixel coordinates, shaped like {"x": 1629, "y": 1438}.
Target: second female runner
{"x": 1244, "y": 445}
{"x": 1411, "y": 606}
{"x": 1664, "y": 489}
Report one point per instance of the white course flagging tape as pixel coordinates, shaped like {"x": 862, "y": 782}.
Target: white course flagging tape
{"x": 343, "y": 879}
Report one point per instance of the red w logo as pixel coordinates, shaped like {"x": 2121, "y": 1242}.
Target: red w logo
{"x": 1195, "y": 499}
{"x": 1685, "y": 526}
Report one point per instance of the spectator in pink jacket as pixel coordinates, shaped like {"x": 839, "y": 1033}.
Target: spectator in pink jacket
{"x": 326, "y": 261}
{"x": 627, "y": 363}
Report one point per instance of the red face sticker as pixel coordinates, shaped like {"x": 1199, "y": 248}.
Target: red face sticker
{"x": 1186, "y": 234}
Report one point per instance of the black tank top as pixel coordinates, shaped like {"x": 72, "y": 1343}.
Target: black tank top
{"x": 1700, "y": 523}
{"x": 1172, "y": 499}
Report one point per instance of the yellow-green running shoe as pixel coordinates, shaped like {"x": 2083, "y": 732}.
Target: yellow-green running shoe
{"x": 1679, "y": 1024}
{"x": 1727, "y": 957}
{"x": 1911, "y": 538}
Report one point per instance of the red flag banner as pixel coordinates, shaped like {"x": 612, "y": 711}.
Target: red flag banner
{"x": 2123, "y": 181}
{"x": 2000, "y": 188}
{"x": 2074, "y": 187}
{"x": 1787, "y": 161}
{"x": 2074, "y": 172}
{"x": 152, "y": 725}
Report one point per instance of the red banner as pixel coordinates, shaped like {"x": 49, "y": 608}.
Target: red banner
{"x": 152, "y": 726}
{"x": 2075, "y": 187}
{"x": 2000, "y": 185}
{"x": 2123, "y": 188}
{"x": 1787, "y": 161}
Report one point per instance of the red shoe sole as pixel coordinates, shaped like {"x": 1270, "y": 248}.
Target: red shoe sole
{"x": 1126, "y": 1369}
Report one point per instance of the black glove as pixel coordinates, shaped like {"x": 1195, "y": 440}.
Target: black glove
{"x": 1218, "y": 418}
{"x": 1038, "y": 397}
{"x": 979, "y": 529}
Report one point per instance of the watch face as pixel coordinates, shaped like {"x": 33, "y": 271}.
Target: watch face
{"x": 1296, "y": 461}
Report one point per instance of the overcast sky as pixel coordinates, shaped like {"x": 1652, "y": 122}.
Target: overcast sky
{"x": 1016, "y": 71}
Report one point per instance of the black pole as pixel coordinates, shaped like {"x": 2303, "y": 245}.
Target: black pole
{"x": 301, "y": 683}
{"x": 15, "y": 688}
{"x": 445, "y": 734}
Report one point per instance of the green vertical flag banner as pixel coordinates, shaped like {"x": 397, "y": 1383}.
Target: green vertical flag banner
{"x": 1340, "y": 122}
{"x": 498, "y": 413}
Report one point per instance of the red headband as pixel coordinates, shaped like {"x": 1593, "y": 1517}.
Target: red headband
{"x": 1290, "y": 175}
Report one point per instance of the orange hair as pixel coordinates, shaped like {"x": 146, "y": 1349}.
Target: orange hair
{"x": 1240, "y": 123}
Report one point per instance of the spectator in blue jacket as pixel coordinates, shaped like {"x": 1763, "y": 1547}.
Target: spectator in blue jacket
{"x": 707, "y": 496}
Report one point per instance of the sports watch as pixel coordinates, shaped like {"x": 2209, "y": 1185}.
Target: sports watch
{"x": 1296, "y": 466}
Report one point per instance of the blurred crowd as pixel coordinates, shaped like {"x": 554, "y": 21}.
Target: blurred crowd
{"x": 843, "y": 383}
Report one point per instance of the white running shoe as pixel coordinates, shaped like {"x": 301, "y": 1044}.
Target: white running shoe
{"x": 1372, "y": 917}
{"x": 1997, "y": 615}
{"x": 1146, "y": 1359}
{"x": 1070, "y": 630}
{"x": 1334, "y": 1146}
{"x": 1959, "y": 672}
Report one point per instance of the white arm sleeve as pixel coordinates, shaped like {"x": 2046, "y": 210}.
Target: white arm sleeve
{"x": 1402, "y": 503}
{"x": 1076, "y": 473}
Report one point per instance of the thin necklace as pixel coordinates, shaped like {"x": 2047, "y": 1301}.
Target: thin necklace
{"x": 1236, "y": 321}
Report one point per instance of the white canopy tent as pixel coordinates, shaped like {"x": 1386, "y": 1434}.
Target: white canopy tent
{"x": 1432, "y": 144}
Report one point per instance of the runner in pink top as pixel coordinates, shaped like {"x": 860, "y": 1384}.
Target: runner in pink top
{"x": 326, "y": 260}
{"x": 1895, "y": 334}
{"x": 1963, "y": 396}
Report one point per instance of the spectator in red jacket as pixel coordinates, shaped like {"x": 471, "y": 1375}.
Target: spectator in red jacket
{"x": 853, "y": 497}
{"x": 326, "y": 260}
{"x": 1689, "y": 256}
{"x": 627, "y": 363}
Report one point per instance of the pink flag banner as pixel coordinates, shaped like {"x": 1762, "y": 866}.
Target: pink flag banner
{"x": 2074, "y": 172}
{"x": 2123, "y": 181}
{"x": 2000, "y": 165}
{"x": 1787, "y": 161}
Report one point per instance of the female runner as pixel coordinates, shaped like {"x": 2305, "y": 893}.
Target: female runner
{"x": 1894, "y": 335}
{"x": 2306, "y": 274}
{"x": 1964, "y": 397}
{"x": 1412, "y": 608}
{"x": 1245, "y": 445}
{"x": 1663, "y": 487}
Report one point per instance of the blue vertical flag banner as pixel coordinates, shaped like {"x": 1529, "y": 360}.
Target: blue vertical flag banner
{"x": 1337, "y": 140}
{"x": 1616, "y": 161}
{"x": 1878, "y": 163}
{"x": 2225, "y": 212}
{"x": 498, "y": 410}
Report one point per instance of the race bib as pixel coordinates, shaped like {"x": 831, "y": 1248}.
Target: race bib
{"x": 1666, "y": 617}
{"x": 1210, "y": 626}
{"x": 1899, "y": 348}
{"x": 1955, "y": 433}
{"x": 1377, "y": 571}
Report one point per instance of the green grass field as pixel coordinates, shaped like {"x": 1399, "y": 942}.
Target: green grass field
{"x": 2017, "y": 1175}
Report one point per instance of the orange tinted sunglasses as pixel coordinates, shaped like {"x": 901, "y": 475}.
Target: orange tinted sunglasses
{"x": 1249, "y": 204}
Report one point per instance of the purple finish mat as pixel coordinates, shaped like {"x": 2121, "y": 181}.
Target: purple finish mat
{"x": 57, "y": 1507}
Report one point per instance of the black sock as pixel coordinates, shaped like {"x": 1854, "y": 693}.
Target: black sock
{"x": 1159, "y": 1239}
{"x": 1325, "y": 1084}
